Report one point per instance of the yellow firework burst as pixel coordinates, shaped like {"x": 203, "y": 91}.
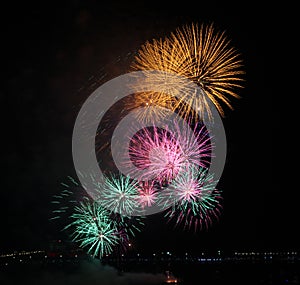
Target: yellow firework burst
{"x": 201, "y": 54}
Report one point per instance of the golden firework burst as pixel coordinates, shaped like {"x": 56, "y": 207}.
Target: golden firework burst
{"x": 204, "y": 56}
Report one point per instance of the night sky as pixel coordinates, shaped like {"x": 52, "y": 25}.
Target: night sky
{"x": 53, "y": 52}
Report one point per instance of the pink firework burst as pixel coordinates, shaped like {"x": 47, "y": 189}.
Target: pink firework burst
{"x": 157, "y": 152}
{"x": 148, "y": 194}
{"x": 195, "y": 144}
{"x": 162, "y": 153}
{"x": 195, "y": 200}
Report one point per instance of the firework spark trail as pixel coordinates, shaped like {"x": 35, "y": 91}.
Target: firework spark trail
{"x": 148, "y": 193}
{"x": 119, "y": 194}
{"x": 91, "y": 224}
{"x": 157, "y": 152}
{"x": 201, "y": 54}
{"x": 177, "y": 158}
{"x": 151, "y": 106}
{"x": 93, "y": 229}
{"x": 70, "y": 196}
{"x": 162, "y": 153}
{"x": 194, "y": 198}
{"x": 195, "y": 144}
{"x": 129, "y": 225}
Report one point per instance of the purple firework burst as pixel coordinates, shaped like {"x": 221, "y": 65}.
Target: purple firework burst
{"x": 157, "y": 152}
{"x": 160, "y": 154}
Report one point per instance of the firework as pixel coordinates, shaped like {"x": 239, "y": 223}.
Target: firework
{"x": 93, "y": 229}
{"x": 150, "y": 106}
{"x": 148, "y": 193}
{"x": 100, "y": 230}
{"x": 195, "y": 144}
{"x": 194, "y": 198}
{"x": 70, "y": 196}
{"x": 119, "y": 194}
{"x": 160, "y": 154}
{"x": 157, "y": 153}
{"x": 201, "y": 54}
{"x": 92, "y": 225}
{"x": 128, "y": 225}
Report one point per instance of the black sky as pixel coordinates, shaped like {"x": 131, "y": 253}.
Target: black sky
{"x": 51, "y": 49}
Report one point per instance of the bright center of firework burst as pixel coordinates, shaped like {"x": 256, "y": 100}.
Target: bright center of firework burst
{"x": 166, "y": 162}
{"x": 190, "y": 192}
{"x": 159, "y": 155}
